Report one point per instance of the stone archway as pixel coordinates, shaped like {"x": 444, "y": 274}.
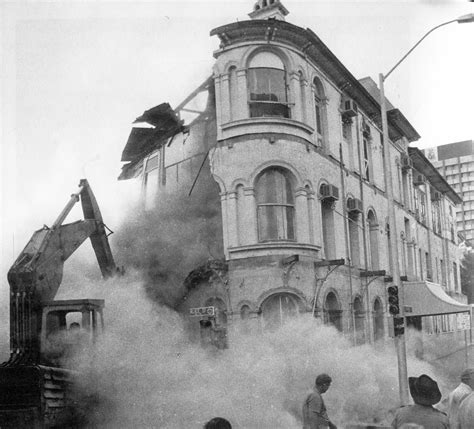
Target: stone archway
{"x": 359, "y": 321}
{"x": 332, "y": 311}
{"x": 278, "y": 308}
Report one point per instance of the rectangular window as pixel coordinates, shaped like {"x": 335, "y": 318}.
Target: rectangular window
{"x": 347, "y": 129}
{"x": 267, "y": 92}
{"x": 275, "y": 206}
{"x": 151, "y": 179}
{"x": 275, "y": 222}
{"x": 422, "y": 197}
{"x": 429, "y": 274}
{"x": 319, "y": 125}
{"x": 329, "y": 238}
{"x": 366, "y": 160}
{"x": 455, "y": 274}
{"x": 443, "y": 272}
{"x": 420, "y": 256}
{"x": 406, "y": 191}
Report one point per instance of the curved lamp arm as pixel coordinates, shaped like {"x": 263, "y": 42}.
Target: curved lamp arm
{"x": 461, "y": 20}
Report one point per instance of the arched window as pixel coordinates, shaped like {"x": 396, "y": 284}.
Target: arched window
{"x": 275, "y": 205}
{"x": 302, "y": 95}
{"x": 354, "y": 242}
{"x": 359, "y": 320}
{"x": 378, "y": 320}
{"x": 373, "y": 240}
{"x": 278, "y": 309}
{"x": 327, "y": 221}
{"x": 245, "y": 312}
{"x": 267, "y": 86}
{"x": 319, "y": 109}
{"x": 367, "y": 159}
{"x": 309, "y": 198}
{"x": 332, "y": 311}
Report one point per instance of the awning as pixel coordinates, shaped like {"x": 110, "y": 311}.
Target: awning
{"x": 429, "y": 299}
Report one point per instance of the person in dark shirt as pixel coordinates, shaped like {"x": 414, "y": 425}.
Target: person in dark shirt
{"x": 315, "y": 415}
{"x": 425, "y": 393}
{"x": 218, "y": 423}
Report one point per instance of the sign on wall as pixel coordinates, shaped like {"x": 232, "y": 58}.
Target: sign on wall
{"x": 202, "y": 311}
{"x": 463, "y": 322}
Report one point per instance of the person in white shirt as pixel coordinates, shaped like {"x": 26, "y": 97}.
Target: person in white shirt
{"x": 466, "y": 413}
{"x": 458, "y": 395}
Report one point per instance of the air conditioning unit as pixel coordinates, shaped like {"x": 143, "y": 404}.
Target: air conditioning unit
{"x": 329, "y": 192}
{"x": 419, "y": 179}
{"x": 435, "y": 196}
{"x": 406, "y": 162}
{"x": 354, "y": 205}
{"x": 365, "y": 130}
{"x": 349, "y": 107}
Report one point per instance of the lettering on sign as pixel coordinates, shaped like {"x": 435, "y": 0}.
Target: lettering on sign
{"x": 463, "y": 322}
{"x": 202, "y": 311}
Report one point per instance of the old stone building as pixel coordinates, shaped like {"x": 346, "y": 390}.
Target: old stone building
{"x": 293, "y": 141}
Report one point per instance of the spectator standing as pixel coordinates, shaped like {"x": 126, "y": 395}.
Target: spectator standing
{"x": 466, "y": 413}
{"x": 457, "y": 395}
{"x": 314, "y": 410}
{"x": 425, "y": 393}
{"x": 218, "y": 423}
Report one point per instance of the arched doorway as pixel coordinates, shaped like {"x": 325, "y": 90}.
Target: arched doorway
{"x": 359, "y": 321}
{"x": 332, "y": 311}
{"x": 277, "y": 309}
{"x": 378, "y": 320}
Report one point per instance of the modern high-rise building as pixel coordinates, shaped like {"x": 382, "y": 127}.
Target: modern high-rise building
{"x": 455, "y": 161}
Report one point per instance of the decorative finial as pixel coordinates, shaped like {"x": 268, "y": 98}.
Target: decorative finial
{"x": 269, "y": 9}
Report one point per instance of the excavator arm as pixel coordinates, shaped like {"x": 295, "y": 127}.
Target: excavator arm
{"x": 37, "y": 273}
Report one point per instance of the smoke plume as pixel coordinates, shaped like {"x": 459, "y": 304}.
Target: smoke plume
{"x": 144, "y": 372}
{"x": 164, "y": 244}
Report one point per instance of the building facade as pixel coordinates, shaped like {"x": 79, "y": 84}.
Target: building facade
{"x": 293, "y": 141}
{"x": 455, "y": 161}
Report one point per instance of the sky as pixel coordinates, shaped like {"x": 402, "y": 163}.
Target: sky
{"x": 74, "y": 76}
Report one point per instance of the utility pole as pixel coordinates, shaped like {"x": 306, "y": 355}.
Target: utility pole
{"x": 400, "y": 339}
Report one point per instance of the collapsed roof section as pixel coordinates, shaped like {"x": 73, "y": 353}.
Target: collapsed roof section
{"x": 163, "y": 124}
{"x": 212, "y": 268}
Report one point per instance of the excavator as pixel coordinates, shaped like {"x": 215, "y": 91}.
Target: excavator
{"x": 36, "y": 382}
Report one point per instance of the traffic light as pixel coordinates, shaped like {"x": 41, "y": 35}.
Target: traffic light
{"x": 393, "y": 302}
{"x": 398, "y": 328}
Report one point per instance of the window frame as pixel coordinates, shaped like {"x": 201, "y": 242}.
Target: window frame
{"x": 266, "y": 105}
{"x": 289, "y": 227}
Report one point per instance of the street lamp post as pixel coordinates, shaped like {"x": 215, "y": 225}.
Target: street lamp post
{"x": 400, "y": 340}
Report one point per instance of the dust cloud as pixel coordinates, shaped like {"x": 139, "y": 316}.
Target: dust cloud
{"x": 166, "y": 243}
{"x": 145, "y": 372}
